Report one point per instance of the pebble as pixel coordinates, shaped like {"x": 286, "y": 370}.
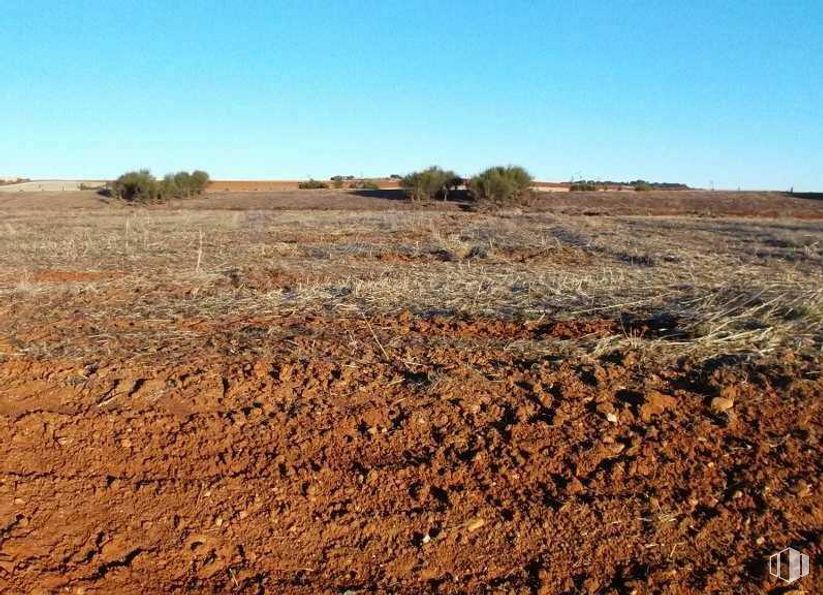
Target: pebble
{"x": 611, "y": 418}
{"x": 474, "y": 524}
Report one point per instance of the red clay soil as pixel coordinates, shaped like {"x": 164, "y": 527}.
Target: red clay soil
{"x": 321, "y": 455}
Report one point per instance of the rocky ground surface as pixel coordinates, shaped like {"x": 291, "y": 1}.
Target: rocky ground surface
{"x": 171, "y": 424}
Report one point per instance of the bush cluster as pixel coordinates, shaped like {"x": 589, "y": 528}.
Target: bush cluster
{"x": 433, "y": 182}
{"x": 312, "y": 184}
{"x": 644, "y": 185}
{"x": 501, "y": 184}
{"x": 142, "y": 186}
{"x": 637, "y": 185}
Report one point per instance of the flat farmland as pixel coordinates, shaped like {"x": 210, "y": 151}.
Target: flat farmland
{"x": 324, "y": 391}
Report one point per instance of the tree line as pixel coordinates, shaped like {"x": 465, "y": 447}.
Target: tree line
{"x": 501, "y": 184}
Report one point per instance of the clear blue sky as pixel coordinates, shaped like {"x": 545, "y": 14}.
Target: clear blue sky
{"x": 674, "y": 90}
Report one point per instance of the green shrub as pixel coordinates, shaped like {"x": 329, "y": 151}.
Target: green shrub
{"x": 137, "y": 186}
{"x": 141, "y": 186}
{"x": 642, "y": 186}
{"x": 200, "y": 181}
{"x": 501, "y": 185}
{"x": 433, "y": 182}
{"x": 312, "y": 184}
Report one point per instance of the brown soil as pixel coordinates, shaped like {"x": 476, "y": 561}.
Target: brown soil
{"x": 274, "y": 421}
{"x": 403, "y": 455}
{"x": 694, "y": 202}
{"x": 691, "y": 203}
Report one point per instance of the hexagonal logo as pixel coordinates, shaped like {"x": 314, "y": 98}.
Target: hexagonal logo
{"x": 789, "y": 565}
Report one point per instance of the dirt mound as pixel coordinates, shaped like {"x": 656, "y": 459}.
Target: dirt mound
{"x": 405, "y": 455}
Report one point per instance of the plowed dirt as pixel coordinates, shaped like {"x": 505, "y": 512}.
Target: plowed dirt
{"x": 407, "y": 456}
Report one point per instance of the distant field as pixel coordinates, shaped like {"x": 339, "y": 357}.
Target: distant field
{"x": 50, "y": 185}
{"x": 279, "y": 185}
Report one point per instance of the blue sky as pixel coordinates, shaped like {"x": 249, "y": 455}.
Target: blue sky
{"x": 694, "y": 91}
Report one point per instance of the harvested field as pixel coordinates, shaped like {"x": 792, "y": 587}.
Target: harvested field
{"x": 318, "y": 391}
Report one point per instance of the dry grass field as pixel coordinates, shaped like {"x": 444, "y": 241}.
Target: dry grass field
{"x": 316, "y": 391}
